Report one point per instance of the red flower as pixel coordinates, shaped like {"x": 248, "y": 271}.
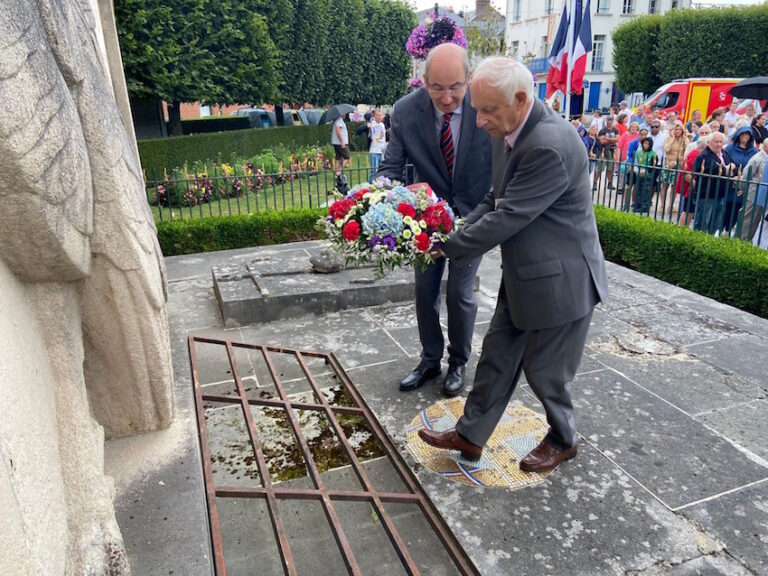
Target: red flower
{"x": 351, "y": 230}
{"x": 406, "y": 209}
{"x": 340, "y": 208}
{"x": 421, "y": 241}
{"x": 360, "y": 193}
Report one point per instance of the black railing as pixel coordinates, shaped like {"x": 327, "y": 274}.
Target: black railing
{"x": 721, "y": 205}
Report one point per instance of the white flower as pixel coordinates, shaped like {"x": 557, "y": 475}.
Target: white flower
{"x": 406, "y": 234}
{"x": 423, "y": 223}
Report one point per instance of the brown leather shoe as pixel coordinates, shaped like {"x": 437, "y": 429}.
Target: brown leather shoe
{"x": 546, "y": 457}
{"x": 451, "y": 440}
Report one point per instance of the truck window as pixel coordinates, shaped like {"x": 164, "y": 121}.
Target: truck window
{"x": 668, "y": 100}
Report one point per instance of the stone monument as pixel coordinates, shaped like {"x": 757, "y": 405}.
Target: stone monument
{"x": 84, "y": 348}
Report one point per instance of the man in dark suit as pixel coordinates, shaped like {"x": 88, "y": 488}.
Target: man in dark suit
{"x": 540, "y": 212}
{"x": 434, "y": 130}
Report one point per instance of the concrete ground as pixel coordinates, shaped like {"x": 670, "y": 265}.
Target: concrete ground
{"x": 671, "y": 401}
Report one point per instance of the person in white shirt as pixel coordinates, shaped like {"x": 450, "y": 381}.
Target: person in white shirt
{"x": 340, "y": 142}
{"x": 731, "y": 118}
{"x": 378, "y": 135}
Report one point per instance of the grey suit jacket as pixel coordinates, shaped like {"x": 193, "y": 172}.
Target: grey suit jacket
{"x": 413, "y": 138}
{"x": 554, "y": 272}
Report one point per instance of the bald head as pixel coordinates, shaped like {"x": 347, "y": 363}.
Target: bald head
{"x": 446, "y": 74}
{"x": 447, "y": 55}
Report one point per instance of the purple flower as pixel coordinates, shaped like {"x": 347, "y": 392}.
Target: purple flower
{"x": 389, "y": 242}
{"x": 435, "y": 31}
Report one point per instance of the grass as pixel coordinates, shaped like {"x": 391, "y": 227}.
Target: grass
{"x": 309, "y": 191}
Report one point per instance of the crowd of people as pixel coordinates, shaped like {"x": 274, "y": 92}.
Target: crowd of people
{"x": 705, "y": 171}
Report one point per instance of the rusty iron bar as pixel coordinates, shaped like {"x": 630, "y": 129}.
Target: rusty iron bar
{"x": 463, "y": 563}
{"x": 274, "y": 403}
{"x": 330, "y": 512}
{"x": 282, "y": 539}
{"x": 386, "y": 521}
{"x": 320, "y": 493}
{"x": 309, "y": 494}
{"x": 210, "y": 492}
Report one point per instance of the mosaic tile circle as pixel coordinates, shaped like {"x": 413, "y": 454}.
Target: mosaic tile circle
{"x": 519, "y": 431}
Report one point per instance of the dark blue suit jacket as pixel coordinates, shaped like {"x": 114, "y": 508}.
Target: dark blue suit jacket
{"x": 413, "y": 139}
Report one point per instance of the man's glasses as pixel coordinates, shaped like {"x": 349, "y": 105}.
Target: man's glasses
{"x": 655, "y": 127}
{"x": 453, "y": 90}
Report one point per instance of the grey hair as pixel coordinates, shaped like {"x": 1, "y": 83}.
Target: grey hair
{"x": 506, "y": 75}
{"x": 465, "y": 58}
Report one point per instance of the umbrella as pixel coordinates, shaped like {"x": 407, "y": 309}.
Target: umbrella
{"x": 756, "y": 88}
{"x": 336, "y": 111}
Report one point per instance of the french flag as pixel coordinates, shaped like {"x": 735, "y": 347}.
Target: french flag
{"x": 582, "y": 47}
{"x": 557, "y": 58}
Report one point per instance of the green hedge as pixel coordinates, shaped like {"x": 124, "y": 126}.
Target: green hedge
{"x": 229, "y": 232}
{"x": 167, "y": 153}
{"x": 726, "y": 270}
{"x": 714, "y": 43}
{"x": 215, "y": 124}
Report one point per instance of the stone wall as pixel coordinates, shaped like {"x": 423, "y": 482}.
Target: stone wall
{"x": 84, "y": 348}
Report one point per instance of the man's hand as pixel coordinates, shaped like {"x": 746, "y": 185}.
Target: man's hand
{"x": 496, "y": 203}
{"x": 436, "y": 255}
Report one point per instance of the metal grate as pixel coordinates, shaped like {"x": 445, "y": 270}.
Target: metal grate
{"x": 329, "y": 498}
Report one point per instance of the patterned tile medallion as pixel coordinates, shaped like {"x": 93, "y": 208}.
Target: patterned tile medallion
{"x": 518, "y": 432}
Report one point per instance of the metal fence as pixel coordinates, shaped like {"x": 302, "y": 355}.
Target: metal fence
{"x": 718, "y": 204}
{"x": 184, "y": 195}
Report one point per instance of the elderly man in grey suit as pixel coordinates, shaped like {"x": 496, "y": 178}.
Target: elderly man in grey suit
{"x": 540, "y": 213}
{"x": 434, "y": 129}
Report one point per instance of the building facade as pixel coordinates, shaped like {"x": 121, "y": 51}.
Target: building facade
{"x": 532, "y": 26}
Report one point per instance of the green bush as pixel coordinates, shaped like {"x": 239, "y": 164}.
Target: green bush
{"x": 632, "y": 42}
{"x": 159, "y": 154}
{"x": 726, "y": 270}
{"x": 229, "y": 232}
{"x": 215, "y": 124}
{"x": 714, "y": 43}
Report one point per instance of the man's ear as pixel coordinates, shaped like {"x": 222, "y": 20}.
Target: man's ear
{"x": 521, "y": 98}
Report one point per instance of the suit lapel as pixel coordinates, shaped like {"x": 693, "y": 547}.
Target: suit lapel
{"x": 467, "y": 130}
{"x": 429, "y": 133}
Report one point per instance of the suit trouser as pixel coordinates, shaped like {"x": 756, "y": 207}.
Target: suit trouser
{"x": 462, "y": 310}
{"x": 549, "y": 358}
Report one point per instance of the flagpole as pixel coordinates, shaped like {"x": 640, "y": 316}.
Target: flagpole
{"x": 569, "y": 47}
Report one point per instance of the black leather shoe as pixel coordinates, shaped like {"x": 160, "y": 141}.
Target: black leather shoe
{"x": 419, "y": 377}
{"x": 454, "y": 380}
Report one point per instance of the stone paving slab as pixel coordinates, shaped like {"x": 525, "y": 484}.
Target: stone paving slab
{"x": 676, "y": 458}
{"x": 740, "y": 521}
{"x": 602, "y": 513}
{"x": 740, "y": 354}
{"x": 746, "y": 424}
{"x": 686, "y": 382}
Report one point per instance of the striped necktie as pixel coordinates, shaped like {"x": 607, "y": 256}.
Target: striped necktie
{"x": 446, "y": 143}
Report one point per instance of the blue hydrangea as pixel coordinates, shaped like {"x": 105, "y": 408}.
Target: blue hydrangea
{"x": 381, "y": 220}
{"x": 401, "y": 194}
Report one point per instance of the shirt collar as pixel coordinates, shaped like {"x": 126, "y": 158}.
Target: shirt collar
{"x": 439, "y": 114}
{"x": 511, "y": 138}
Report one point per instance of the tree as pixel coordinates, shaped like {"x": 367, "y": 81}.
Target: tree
{"x": 304, "y": 73}
{"x": 651, "y": 50}
{"x": 634, "y": 54}
{"x": 387, "y": 66}
{"x": 484, "y": 39}
{"x": 218, "y": 52}
{"x": 715, "y": 43}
